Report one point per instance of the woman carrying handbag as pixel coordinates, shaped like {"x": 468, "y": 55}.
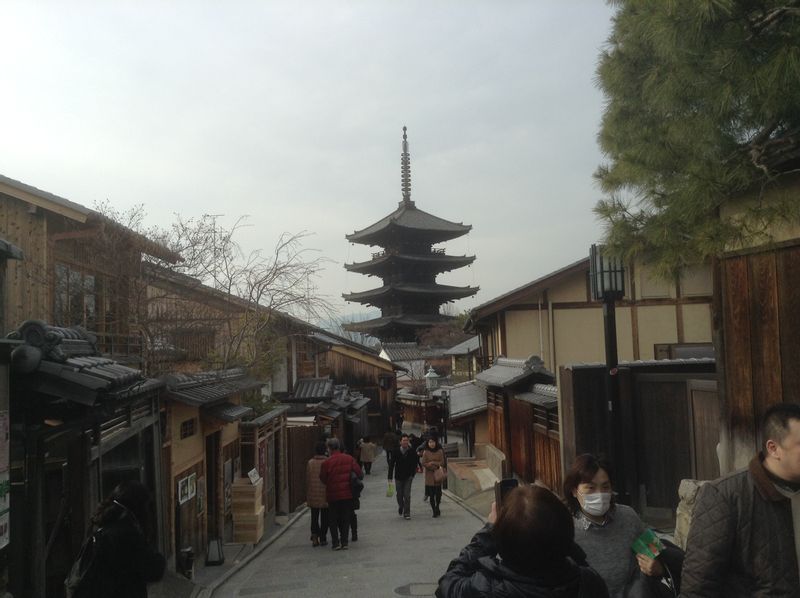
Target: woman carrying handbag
{"x": 433, "y": 462}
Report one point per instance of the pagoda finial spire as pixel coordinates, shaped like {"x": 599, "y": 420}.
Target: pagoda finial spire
{"x": 405, "y": 171}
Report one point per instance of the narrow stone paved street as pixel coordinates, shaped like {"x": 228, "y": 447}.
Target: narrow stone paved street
{"x": 392, "y": 557}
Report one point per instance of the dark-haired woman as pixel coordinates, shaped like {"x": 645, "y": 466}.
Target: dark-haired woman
{"x": 125, "y": 562}
{"x": 606, "y": 530}
{"x": 433, "y": 460}
{"x": 524, "y": 550}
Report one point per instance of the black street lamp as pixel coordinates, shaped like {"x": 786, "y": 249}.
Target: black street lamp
{"x": 607, "y": 282}
{"x": 445, "y": 411}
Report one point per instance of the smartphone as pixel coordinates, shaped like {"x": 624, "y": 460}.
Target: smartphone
{"x": 502, "y": 488}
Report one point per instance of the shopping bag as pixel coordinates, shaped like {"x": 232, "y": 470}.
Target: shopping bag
{"x": 390, "y": 489}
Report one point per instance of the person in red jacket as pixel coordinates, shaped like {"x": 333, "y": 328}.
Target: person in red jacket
{"x": 335, "y": 473}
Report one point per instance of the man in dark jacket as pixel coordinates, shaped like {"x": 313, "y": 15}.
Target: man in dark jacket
{"x": 403, "y": 465}
{"x": 745, "y": 533}
{"x": 335, "y": 474}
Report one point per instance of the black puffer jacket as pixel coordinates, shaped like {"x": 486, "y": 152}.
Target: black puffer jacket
{"x": 741, "y": 541}
{"x": 125, "y": 563}
{"x": 477, "y": 573}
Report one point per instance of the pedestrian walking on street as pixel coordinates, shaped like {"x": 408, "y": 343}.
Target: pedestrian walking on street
{"x": 355, "y": 506}
{"x": 402, "y": 466}
{"x": 368, "y": 449}
{"x": 123, "y": 560}
{"x": 357, "y": 452}
{"x": 605, "y": 531}
{"x": 335, "y": 474}
{"x": 316, "y": 498}
{"x": 433, "y": 463}
{"x": 533, "y": 536}
{"x": 391, "y": 441}
{"x": 744, "y": 539}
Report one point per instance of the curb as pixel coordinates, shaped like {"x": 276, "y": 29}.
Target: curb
{"x": 208, "y": 591}
{"x": 460, "y": 502}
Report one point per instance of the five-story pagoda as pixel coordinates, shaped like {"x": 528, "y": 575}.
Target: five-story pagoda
{"x": 410, "y": 297}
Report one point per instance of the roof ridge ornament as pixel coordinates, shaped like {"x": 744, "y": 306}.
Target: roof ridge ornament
{"x": 405, "y": 172}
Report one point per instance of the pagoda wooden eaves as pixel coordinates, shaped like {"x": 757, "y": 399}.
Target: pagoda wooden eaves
{"x": 406, "y": 223}
{"x": 438, "y": 292}
{"x": 432, "y": 262}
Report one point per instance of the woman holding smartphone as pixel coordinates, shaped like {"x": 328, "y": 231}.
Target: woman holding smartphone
{"x": 524, "y": 550}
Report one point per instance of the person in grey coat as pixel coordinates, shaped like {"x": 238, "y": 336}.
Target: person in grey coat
{"x": 605, "y": 531}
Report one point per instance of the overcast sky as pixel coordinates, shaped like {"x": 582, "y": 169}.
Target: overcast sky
{"x": 292, "y": 113}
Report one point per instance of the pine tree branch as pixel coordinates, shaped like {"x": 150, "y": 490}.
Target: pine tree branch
{"x": 770, "y": 21}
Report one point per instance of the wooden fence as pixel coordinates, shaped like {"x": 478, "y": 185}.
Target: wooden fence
{"x": 760, "y": 331}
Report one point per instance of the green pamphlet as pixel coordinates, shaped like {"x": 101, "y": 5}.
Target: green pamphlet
{"x": 648, "y": 544}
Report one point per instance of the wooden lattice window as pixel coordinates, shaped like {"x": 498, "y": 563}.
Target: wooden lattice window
{"x": 188, "y": 428}
{"x": 75, "y": 297}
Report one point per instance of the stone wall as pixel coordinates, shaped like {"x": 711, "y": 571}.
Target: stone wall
{"x": 687, "y": 491}
{"x": 493, "y": 456}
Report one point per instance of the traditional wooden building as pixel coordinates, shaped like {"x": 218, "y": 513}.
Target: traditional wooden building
{"x": 410, "y": 297}
{"x": 80, "y": 424}
{"x": 465, "y": 359}
{"x": 7, "y": 252}
{"x": 338, "y": 410}
{"x": 756, "y": 328}
{"x": 265, "y": 448}
{"x": 508, "y": 384}
{"x": 316, "y": 353}
{"x": 413, "y": 362}
{"x": 202, "y": 454}
{"x": 80, "y": 268}
{"x": 555, "y": 318}
{"x": 467, "y": 413}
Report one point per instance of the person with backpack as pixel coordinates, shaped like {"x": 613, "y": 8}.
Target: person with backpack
{"x": 524, "y": 550}
{"x": 117, "y": 558}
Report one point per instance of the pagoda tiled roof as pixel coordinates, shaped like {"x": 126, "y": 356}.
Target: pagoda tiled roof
{"x": 408, "y": 218}
{"x": 435, "y": 262}
{"x": 403, "y": 352}
{"x": 401, "y": 321}
{"x": 445, "y": 292}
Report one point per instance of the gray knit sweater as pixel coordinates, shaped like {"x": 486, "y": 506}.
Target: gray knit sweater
{"x": 608, "y": 550}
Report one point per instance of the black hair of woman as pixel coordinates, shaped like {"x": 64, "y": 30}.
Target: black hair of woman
{"x": 436, "y": 447}
{"x": 130, "y": 498}
{"x": 583, "y": 470}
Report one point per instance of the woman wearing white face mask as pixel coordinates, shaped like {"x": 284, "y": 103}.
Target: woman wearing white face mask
{"x": 605, "y": 530}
